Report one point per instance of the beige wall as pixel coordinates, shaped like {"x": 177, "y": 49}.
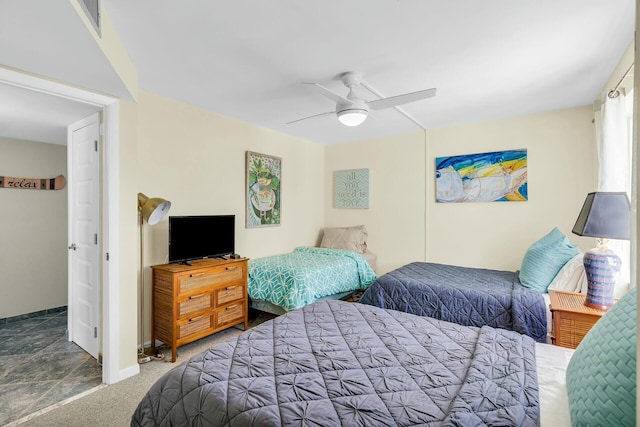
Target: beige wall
{"x": 112, "y": 48}
{"x": 561, "y": 169}
{"x": 395, "y": 219}
{"x": 404, "y": 221}
{"x": 33, "y": 230}
{"x": 127, "y": 292}
{"x": 196, "y": 159}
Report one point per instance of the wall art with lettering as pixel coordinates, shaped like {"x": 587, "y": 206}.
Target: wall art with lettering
{"x": 56, "y": 183}
{"x": 351, "y": 189}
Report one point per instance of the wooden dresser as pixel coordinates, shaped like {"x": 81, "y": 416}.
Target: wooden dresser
{"x": 193, "y": 301}
{"x": 572, "y": 320}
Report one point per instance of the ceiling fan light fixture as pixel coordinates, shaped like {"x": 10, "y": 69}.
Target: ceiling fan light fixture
{"x": 353, "y": 110}
{"x": 352, "y": 117}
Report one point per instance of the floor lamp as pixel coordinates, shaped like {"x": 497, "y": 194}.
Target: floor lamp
{"x": 152, "y": 211}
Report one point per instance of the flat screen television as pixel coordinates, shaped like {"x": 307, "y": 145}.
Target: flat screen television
{"x": 203, "y": 236}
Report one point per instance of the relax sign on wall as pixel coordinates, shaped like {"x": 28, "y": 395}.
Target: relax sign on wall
{"x": 351, "y": 189}
{"x": 56, "y": 183}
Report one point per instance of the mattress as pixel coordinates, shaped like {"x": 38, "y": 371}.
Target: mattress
{"x": 336, "y": 363}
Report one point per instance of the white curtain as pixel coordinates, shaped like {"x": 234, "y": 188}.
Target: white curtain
{"x": 613, "y": 140}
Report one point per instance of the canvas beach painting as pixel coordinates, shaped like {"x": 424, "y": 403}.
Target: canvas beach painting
{"x": 499, "y": 176}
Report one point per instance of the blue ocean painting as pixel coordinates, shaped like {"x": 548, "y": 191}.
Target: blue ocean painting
{"x": 499, "y": 176}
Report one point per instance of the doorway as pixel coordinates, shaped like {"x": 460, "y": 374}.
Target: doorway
{"x": 109, "y": 195}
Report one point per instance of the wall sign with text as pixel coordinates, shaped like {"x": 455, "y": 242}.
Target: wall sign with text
{"x": 56, "y": 183}
{"x": 351, "y": 189}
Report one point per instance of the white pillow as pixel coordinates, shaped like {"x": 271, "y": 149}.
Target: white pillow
{"x": 571, "y": 277}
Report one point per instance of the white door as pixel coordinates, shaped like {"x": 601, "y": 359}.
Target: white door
{"x": 83, "y": 171}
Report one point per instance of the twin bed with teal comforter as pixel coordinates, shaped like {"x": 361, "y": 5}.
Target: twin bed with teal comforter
{"x": 290, "y": 281}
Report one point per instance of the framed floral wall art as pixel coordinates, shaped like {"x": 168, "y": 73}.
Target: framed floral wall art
{"x": 263, "y": 187}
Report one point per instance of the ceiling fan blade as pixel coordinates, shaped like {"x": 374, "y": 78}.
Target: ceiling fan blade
{"x": 394, "y": 101}
{"x": 311, "y": 117}
{"x": 330, "y": 94}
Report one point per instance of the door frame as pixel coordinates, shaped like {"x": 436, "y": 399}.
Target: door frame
{"x": 110, "y": 207}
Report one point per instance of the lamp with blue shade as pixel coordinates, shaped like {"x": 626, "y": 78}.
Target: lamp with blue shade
{"x": 604, "y": 215}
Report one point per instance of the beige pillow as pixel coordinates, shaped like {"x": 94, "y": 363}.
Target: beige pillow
{"x": 349, "y": 238}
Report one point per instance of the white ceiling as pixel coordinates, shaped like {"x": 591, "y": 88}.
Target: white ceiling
{"x": 246, "y": 59}
{"x": 35, "y": 116}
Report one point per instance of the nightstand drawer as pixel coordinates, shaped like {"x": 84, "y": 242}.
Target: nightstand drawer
{"x": 572, "y": 331}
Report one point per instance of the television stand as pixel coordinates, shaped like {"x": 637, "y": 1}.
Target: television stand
{"x": 193, "y": 301}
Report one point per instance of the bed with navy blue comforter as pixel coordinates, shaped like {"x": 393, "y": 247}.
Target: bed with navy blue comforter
{"x": 462, "y": 295}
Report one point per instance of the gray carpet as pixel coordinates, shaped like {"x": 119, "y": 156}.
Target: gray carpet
{"x": 113, "y": 405}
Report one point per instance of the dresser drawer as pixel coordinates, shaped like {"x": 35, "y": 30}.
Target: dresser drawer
{"x": 194, "y": 325}
{"x": 195, "y": 303}
{"x": 230, "y": 313}
{"x": 229, "y": 294}
{"x": 212, "y": 277}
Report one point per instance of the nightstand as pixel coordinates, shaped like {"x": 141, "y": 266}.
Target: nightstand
{"x": 571, "y": 318}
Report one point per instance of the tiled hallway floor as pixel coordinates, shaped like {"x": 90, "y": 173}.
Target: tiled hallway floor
{"x": 39, "y": 367}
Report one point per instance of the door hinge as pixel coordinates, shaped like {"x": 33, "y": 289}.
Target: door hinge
{"x": 95, "y": 145}
{"x": 107, "y": 256}
{"x": 95, "y": 332}
{"x": 95, "y": 238}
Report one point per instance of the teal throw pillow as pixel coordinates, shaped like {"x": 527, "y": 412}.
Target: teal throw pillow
{"x": 544, "y": 259}
{"x": 601, "y": 376}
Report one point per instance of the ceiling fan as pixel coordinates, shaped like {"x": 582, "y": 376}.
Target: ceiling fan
{"x": 352, "y": 110}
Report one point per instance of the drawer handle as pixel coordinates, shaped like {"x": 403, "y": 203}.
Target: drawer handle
{"x": 197, "y": 296}
{"x": 198, "y": 274}
{"x": 195, "y": 318}
{"x": 231, "y": 307}
{"x": 230, "y": 288}
{"x": 231, "y": 268}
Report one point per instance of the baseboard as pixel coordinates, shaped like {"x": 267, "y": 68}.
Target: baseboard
{"x": 56, "y": 310}
{"x": 128, "y": 372}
